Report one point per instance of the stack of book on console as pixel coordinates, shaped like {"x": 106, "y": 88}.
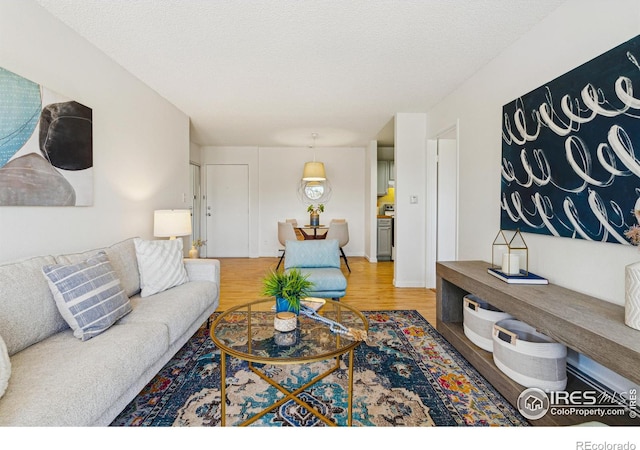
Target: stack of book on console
{"x": 523, "y": 277}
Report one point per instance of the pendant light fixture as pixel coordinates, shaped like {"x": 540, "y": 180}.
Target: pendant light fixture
{"x": 314, "y": 170}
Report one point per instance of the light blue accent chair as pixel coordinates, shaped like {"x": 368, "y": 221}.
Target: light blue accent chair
{"x": 320, "y": 260}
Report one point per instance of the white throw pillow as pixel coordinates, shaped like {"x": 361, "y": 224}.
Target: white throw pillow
{"x": 160, "y": 264}
{"x": 5, "y": 367}
{"x": 88, "y": 295}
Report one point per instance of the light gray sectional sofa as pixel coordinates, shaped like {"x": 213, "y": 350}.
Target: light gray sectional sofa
{"x": 57, "y": 379}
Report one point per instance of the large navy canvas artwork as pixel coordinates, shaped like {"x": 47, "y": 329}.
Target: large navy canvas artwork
{"x": 46, "y": 146}
{"x": 570, "y": 149}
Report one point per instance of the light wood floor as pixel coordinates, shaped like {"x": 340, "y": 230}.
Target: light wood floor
{"x": 369, "y": 286}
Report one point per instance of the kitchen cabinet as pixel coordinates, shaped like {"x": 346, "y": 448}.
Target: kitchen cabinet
{"x": 385, "y": 238}
{"x": 385, "y": 176}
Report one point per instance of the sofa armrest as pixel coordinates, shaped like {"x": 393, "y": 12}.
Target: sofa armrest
{"x": 200, "y": 269}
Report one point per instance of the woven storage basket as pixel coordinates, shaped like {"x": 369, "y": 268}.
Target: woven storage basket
{"x": 529, "y": 357}
{"x": 478, "y": 319}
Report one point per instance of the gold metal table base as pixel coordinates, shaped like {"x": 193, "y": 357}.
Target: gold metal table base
{"x": 288, "y": 395}
{"x": 320, "y": 342}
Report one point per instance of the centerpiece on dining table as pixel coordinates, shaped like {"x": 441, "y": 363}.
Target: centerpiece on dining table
{"x": 314, "y": 217}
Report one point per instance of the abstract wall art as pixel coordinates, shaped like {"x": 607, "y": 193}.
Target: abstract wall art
{"x": 46, "y": 146}
{"x": 570, "y": 148}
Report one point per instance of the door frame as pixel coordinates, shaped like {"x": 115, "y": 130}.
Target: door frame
{"x": 195, "y": 200}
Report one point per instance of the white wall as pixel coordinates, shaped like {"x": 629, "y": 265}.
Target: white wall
{"x": 274, "y": 174}
{"x": 409, "y": 223}
{"x": 140, "y": 141}
{"x": 370, "y": 210}
{"x": 195, "y": 153}
{"x": 575, "y": 33}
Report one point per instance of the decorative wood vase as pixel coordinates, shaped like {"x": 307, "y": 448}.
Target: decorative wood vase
{"x": 314, "y": 220}
{"x": 194, "y": 252}
{"x": 284, "y": 322}
{"x": 632, "y": 296}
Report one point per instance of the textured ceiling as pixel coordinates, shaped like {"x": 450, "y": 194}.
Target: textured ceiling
{"x": 272, "y": 72}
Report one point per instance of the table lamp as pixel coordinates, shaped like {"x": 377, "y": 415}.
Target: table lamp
{"x": 171, "y": 223}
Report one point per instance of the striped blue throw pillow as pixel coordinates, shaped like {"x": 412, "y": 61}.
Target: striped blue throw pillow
{"x": 88, "y": 295}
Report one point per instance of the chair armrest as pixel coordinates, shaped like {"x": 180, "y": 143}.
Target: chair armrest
{"x": 200, "y": 269}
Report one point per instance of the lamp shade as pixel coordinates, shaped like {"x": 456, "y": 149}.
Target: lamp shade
{"x": 314, "y": 171}
{"x": 171, "y": 223}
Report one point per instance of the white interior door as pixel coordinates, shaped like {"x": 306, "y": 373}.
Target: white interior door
{"x": 442, "y": 203}
{"x": 447, "y": 230}
{"x": 227, "y": 210}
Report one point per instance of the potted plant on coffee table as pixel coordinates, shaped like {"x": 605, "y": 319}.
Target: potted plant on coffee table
{"x": 288, "y": 287}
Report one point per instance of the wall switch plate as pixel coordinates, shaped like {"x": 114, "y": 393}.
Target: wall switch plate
{"x": 413, "y": 199}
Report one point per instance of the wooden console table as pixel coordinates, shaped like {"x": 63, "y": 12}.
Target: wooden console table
{"x": 585, "y": 324}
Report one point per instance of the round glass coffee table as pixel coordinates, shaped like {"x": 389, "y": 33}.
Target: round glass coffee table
{"x": 247, "y": 332}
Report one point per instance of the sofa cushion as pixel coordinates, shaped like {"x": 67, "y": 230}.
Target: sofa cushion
{"x": 28, "y": 312}
{"x": 312, "y": 253}
{"x": 160, "y": 265}
{"x": 63, "y": 381}
{"x": 88, "y": 295}
{"x": 5, "y": 367}
{"x": 177, "y": 308}
{"x": 122, "y": 256}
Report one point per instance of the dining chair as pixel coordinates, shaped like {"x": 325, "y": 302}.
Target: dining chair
{"x": 294, "y": 222}
{"x": 339, "y": 230}
{"x": 286, "y": 233}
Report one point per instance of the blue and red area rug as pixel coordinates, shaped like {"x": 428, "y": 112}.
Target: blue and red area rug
{"x": 406, "y": 374}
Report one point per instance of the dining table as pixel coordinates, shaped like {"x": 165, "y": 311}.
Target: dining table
{"x": 309, "y": 232}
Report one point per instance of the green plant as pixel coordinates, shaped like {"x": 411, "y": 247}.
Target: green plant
{"x": 198, "y": 243}
{"x": 315, "y": 210}
{"x": 291, "y": 285}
